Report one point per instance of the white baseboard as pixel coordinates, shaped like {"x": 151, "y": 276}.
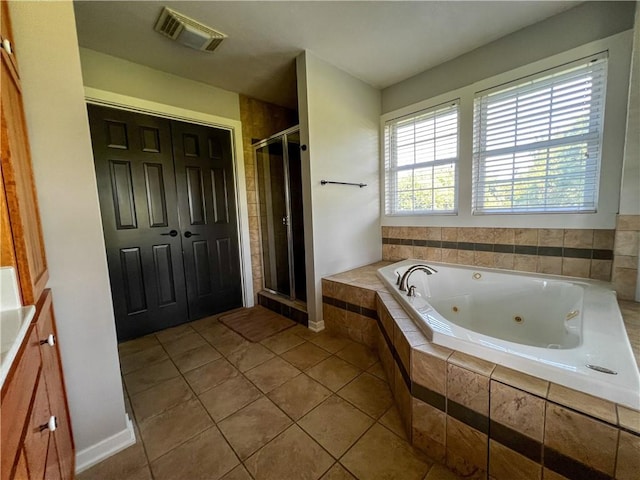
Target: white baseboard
{"x": 102, "y": 450}
{"x": 316, "y": 326}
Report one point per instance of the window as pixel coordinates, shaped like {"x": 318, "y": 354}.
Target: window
{"x": 421, "y": 161}
{"x": 537, "y": 141}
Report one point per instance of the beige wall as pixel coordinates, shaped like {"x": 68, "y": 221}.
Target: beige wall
{"x": 260, "y": 120}
{"x": 339, "y": 122}
{"x": 104, "y": 72}
{"x": 64, "y": 174}
{"x": 583, "y": 24}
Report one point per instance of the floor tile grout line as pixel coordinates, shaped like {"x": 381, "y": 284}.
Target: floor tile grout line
{"x": 361, "y": 371}
{"x": 196, "y": 396}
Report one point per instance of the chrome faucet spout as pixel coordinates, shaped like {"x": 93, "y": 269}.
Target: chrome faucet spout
{"x": 404, "y": 280}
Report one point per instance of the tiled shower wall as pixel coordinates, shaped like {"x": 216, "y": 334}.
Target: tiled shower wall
{"x": 582, "y": 253}
{"x": 626, "y": 250}
{"x": 259, "y": 120}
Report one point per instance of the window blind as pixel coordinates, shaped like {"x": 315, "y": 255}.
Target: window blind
{"x": 537, "y": 141}
{"x": 421, "y": 161}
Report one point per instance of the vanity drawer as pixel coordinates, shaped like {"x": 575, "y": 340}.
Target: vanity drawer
{"x": 17, "y": 394}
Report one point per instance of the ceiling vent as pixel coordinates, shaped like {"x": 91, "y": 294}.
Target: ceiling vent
{"x": 187, "y": 31}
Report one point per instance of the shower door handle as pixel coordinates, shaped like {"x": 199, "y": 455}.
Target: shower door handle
{"x": 285, "y": 221}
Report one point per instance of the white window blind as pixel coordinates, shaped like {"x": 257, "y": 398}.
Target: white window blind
{"x": 421, "y": 161}
{"x": 537, "y": 141}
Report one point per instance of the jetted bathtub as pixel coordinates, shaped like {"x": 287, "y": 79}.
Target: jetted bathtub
{"x": 565, "y": 330}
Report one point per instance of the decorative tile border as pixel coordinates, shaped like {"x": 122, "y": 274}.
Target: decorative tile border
{"x": 566, "y": 252}
{"x": 529, "y": 448}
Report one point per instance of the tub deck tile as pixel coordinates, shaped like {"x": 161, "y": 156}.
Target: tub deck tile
{"x": 593, "y": 406}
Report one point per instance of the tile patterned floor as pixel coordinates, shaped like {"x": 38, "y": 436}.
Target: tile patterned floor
{"x": 207, "y": 405}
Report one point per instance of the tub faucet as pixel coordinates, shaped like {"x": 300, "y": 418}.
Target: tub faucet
{"x": 404, "y": 280}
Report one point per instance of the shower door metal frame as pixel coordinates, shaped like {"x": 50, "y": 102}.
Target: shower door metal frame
{"x": 282, "y": 137}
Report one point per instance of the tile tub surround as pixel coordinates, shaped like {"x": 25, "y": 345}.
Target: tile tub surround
{"x": 572, "y": 252}
{"x": 481, "y": 419}
{"x": 625, "y": 261}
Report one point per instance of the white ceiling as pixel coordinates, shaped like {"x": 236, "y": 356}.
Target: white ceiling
{"x": 379, "y": 42}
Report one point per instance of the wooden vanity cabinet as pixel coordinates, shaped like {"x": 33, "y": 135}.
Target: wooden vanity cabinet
{"x": 35, "y": 428}
{"x": 34, "y": 400}
{"x": 19, "y": 186}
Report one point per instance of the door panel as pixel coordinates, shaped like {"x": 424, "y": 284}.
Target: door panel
{"x": 136, "y": 186}
{"x": 206, "y": 204}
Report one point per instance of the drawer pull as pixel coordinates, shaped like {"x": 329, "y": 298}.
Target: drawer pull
{"x": 51, "y": 425}
{"x": 50, "y": 340}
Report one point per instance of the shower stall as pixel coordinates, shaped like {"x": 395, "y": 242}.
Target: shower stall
{"x": 279, "y": 185}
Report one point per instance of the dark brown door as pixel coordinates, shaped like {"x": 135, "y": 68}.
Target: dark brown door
{"x": 207, "y": 209}
{"x": 136, "y": 185}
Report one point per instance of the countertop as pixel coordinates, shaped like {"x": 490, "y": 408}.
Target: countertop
{"x": 14, "y": 325}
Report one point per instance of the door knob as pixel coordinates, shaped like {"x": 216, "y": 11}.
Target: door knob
{"x": 188, "y": 234}
{"x": 172, "y": 233}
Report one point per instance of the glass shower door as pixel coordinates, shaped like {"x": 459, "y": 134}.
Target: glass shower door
{"x": 279, "y": 181}
{"x": 274, "y": 217}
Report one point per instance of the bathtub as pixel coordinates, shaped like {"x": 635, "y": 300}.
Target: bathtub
{"x": 550, "y": 327}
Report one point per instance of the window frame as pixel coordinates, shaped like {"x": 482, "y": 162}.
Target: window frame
{"x": 619, "y": 48}
{"x": 391, "y": 170}
{"x": 592, "y": 138}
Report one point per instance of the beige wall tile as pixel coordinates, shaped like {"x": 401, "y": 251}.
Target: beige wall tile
{"x": 505, "y": 464}
{"x": 466, "y": 234}
{"x": 603, "y": 239}
{"x": 628, "y": 462}
{"x": 386, "y": 252}
{"x": 526, "y": 236}
{"x": 578, "y": 238}
{"x": 420, "y": 253}
{"x": 472, "y": 363}
{"x": 576, "y": 267}
{"x": 625, "y": 261}
{"x": 449, "y": 234}
{"x": 415, "y": 233}
{"x": 434, "y": 254}
{"x": 596, "y": 407}
{"x": 466, "y": 449}
{"x": 517, "y": 410}
{"x": 429, "y": 371}
{"x": 629, "y": 419}
{"x": 624, "y": 281}
{"x": 521, "y": 380}
{"x": 504, "y": 236}
{"x": 428, "y": 427}
{"x": 525, "y": 263}
{"x": 582, "y": 438}
{"x": 396, "y": 232}
{"x": 402, "y": 347}
{"x": 483, "y": 259}
{"x": 468, "y": 388}
{"x": 503, "y": 260}
{"x": 628, "y": 222}
{"x": 601, "y": 270}
{"x": 434, "y": 233}
{"x": 450, "y": 255}
{"x": 551, "y": 237}
{"x": 485, "y": 235}
{"x": 550, "y": 265}
{"x": 403, "y": 400}
{"x": 400, "y": 252}
{"x": 466, "y": 257}
{"x": 626, "y": 243}
{"x": 385, "y": 231}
